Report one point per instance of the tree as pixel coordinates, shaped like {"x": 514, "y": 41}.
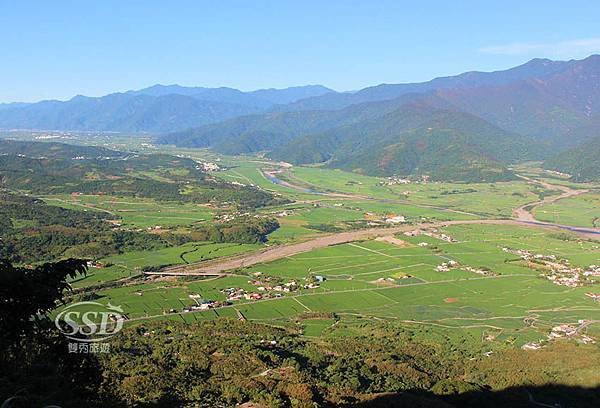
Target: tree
{"x": 28, "y": 294}
{"x": 37, "y": 368}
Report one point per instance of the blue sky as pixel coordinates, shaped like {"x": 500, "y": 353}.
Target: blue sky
{"x": 57, "y": 49}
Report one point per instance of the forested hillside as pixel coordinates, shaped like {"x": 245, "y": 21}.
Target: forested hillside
{"x": 63, "y": 169}
{"x": 445, "y": 145}
{"x": 530, "y": 112}
{"x": 224, "y": 363}
{"x": 32, "y": 230}
{"x": 582, "y": 163}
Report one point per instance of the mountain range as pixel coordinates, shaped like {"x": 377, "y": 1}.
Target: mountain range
{"x": 159, "y": 108}
{"x": 474, "y": 120}
{"x": 470, "y": 126}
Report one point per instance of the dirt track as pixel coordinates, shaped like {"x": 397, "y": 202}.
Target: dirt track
{"x": 524, "y": 213}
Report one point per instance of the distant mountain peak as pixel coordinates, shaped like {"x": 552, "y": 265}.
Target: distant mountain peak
{"x": 536, "y": 61}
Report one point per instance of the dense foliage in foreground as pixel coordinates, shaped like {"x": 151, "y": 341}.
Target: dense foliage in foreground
{"x": 222, "y": 363}
{"x": 36, "y": 369}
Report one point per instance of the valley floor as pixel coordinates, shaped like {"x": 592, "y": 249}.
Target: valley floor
{"x": 499, "y": 271}
{"x": 398, "y": 272}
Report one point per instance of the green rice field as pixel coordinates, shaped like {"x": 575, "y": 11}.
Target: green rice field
{"x": 378, "y": 280}
{"x": 582, "y": 211}
{"x": 137, "y": 212}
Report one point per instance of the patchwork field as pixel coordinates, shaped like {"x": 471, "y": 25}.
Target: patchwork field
{"x": 133, "y": 263}
{"x": 581, "y": 211}
{"x": 329, "y": 215}
{"x": 464, "y": 280}
{"x": 477, "y": 199}
{"x": 136, "y": 212}
{"x": 398, "y": 280}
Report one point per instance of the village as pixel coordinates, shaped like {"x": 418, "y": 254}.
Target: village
{"x": 563, "y": 331}
{"x": 446, "y": 266}
{"x": 266, "y": 287}
{"x": 432, "y": 233}
{"x": 397, "y": 180}
{"x": 559, "y": 271}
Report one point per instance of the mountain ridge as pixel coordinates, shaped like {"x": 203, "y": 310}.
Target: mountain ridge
{"x": 537, "y": 115}
{"x": 156, "y": 109}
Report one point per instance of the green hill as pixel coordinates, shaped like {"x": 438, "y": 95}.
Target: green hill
{"x": 582, "y": 163}
{"x": 254, "y": 133}
{"x": 54, "y": 168}
{"x": 445, "y": 145}
{"x": 56, "y": 150}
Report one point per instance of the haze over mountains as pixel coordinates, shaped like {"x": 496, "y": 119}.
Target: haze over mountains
{"x": 466, "y": 127}
{"x": 159, "y": 108}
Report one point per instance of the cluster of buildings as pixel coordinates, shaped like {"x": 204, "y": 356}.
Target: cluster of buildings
{"x": 270, "y": 283}
{"x": 446, "y": 266}
{"x": 201, "y": 304}
{"x": 200, "y": 165}
{"x": 209, "y": 304}
{"x": 285, "y": 213}
{"x": 563, "y": 331}
{"x": 394, "y": 180}
{"x": 387, "y": 281}
{"x": 266, "y": 285}
{"x": 433, "y": 233}
{"x": 94, "y": 264}
{"x": 559, "y": 271}
{"x": 396, "y": 219}
{"x": 208, "y": 166}
{"x": 234, "y": 215}
{"x": 480, "y": 271}
{"x": 558, "y": 173}
{"x": 571, "y": 280}
{"x": 594, "y": 296}
{"x": 270, "y": 287}
{"x": 266, "y": 288}
{"x": 234, "y": 294}
{"x": 389, "y": 219}
{"x": 592, "y": 270}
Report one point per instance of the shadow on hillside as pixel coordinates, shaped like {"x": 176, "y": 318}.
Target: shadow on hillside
{"x": 551, "y": 396}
